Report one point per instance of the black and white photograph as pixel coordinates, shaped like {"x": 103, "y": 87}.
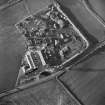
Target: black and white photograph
{"x": 52, "y": 52}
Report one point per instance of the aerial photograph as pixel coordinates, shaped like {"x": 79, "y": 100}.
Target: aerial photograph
{"x": 52, "y": 52}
